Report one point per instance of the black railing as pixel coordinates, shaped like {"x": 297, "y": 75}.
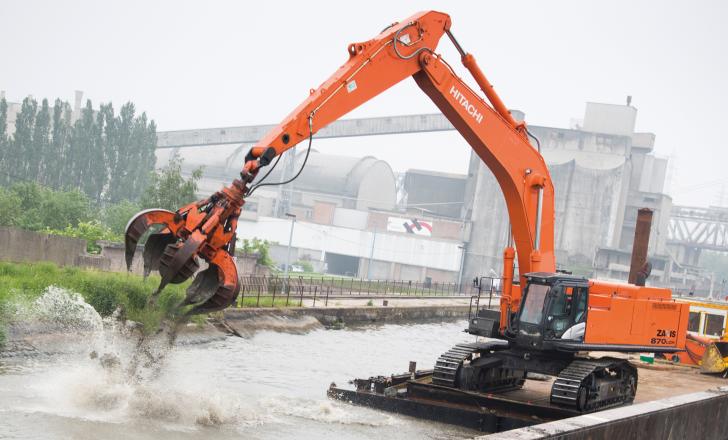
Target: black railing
{"x": 278, "y": 291}
{"x": 487, "y": 287}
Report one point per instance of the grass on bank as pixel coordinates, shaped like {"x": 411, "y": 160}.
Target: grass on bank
{"x": 104, "y": 291}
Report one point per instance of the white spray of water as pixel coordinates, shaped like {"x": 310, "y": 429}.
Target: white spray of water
{"x": 112, "y": 374}
{"x": 110, "y": 371}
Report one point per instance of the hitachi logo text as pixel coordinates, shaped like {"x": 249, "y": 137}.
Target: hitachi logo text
{"x": 470, "y": 108}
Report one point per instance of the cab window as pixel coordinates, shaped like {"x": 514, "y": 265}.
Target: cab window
{"x": 713, "y": 325}
{"x": 532, "y": 310}
{"x": 694, "y": 322}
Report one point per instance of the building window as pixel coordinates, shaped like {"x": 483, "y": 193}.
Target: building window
{"x": 713, "y": 325}
{"x": 694, "y": 322}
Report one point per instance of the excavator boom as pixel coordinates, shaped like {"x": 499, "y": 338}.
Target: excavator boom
{"x": 400, "y": 51}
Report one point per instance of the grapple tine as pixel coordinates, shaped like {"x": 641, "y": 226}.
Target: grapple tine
{"x": 179, "y": 260}
{"x": 154, "y": 249}
{"x": 140, "y": 223}
{"x": 216, "y": 287}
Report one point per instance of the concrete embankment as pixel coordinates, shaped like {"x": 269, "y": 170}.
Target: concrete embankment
{"x": 302, "y": 319}
{"x": 696, "y": 415}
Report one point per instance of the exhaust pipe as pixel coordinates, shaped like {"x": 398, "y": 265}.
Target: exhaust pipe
{"x": 640, "y": 268}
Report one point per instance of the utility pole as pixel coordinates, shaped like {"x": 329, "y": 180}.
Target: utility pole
{"x": 371, "y": 254}
{"x": 288, "y": 253}
{"x": 462, "y": 264}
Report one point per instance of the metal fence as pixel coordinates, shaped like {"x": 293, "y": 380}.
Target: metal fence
{"x": 275, "y": 290}
{"x": 486, "y": 295}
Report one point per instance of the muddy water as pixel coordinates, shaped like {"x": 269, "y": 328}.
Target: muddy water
{"x": 269, "y": 386}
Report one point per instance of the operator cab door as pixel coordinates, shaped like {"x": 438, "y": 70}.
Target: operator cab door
{"x": 551, "y": 311}
{"x": 566, "y": 312}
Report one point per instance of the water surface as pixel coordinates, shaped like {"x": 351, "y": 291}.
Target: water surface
{"x": 270, "y": 386}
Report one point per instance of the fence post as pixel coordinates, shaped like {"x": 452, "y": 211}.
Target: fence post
{"x": 300, "y": 301}
{"x": 314, "y": 295}
{"x": 351, "y": 287}
{"x": 242, "y": 297}
{"x": 273, "y": 300}
{"x": 288, "y": 293}
{"x": 326, "y": 303}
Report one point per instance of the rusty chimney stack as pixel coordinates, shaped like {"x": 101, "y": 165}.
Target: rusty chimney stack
{"x": 639, "y": 268}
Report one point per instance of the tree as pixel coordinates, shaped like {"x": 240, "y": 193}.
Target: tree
{"x": 16, "y": 162}
{"x": 116, "y": 216}
{"x": 91, "y": 231}
{"x": 262, "y": 249}
{"x": 119, "y": 185}
{"x": 3, "y": 137}
{"x": 96, "y": 175}
{"x": 36, "y": 156}
{"x": 56, "y": 171}
{"x": 9, "y": 207}
{"x": 39, "y": 208}
{"x": 168, "y": 189}
{"x": 82, "y": 144}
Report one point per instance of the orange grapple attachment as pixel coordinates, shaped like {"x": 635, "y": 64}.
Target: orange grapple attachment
{"x": 199, "y": 234}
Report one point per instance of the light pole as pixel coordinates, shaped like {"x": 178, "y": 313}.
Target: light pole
{"x": 288, "y": 253}
{"x": 371, "y": 254}
{"x": 462, "y": 264}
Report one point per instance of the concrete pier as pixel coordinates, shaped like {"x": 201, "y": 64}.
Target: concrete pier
{"x": 700, "y": 415}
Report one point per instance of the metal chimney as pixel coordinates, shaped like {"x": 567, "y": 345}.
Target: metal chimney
{"x": 639, "y": 268}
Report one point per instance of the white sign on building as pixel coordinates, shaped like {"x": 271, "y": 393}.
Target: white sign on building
{"x": 409, "y": 226}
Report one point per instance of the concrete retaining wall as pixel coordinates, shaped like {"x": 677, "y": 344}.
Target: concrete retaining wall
{"x": 26, "y": 246}
{"x": 691, "y": 416}
{"x": 352, "y": 315}
{"x": 19, "y": 245}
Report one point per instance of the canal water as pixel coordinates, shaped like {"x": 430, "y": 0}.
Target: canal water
{"x": 269, "y": 386}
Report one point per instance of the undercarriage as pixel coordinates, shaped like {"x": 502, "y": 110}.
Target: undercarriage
{"x": 582, "y": 384}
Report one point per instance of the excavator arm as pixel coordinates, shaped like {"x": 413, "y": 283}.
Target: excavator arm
{"x": 402, "y": 50}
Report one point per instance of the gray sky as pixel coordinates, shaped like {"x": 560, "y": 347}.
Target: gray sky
{"x": 192, "y": 64}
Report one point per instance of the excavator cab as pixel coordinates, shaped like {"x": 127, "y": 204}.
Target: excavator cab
{"x": 553, "y": 308}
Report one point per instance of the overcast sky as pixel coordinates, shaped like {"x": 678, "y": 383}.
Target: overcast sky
{"x": 192, "y": 64}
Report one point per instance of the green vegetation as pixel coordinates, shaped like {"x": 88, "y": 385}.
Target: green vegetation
{"x": 261, "y": 248}
{"x": 268, "y": 301}
{"x": 168, "y": 189}
{"x": 31, "y": 206}
{"x": 84, "y": 179}
{"x": 23, "y": 283}
{"x": 106, "y": 156}
{"x": 306, "y": 265}
{"x": 91, "y": 232}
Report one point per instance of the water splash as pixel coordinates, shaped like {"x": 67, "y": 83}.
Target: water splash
{"x": 108, "y": 369}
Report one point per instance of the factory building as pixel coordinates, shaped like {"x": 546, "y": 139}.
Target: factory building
{"x": 602, "y": 171}
{"x": 347, "y": 223}
{"x": 362, "y": 211}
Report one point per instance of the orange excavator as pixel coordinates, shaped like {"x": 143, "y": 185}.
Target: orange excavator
{"x": 546, "y": 318}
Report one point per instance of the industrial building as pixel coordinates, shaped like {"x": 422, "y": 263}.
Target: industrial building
{"x": 602, "y": 169}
